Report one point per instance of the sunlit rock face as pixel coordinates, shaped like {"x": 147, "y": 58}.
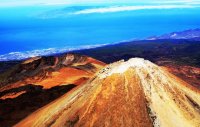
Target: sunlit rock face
{"x": 134, "y": 93}
{"x": 49, "y": 72}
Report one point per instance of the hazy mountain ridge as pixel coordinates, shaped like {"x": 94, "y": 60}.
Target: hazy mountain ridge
{"x": 143, "y": 93}
{"x": 187, "y": 34}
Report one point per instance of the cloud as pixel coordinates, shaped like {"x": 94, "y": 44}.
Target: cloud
{"x": 43, "y": 52}
{"x": 128, "y": 8}
{"x": 11, "y": 3}
{"x": 178, "y": 2}
{"x": 78, "y": 10}
{"x": 26, "y": 54}
{"x": 16, "y": 3}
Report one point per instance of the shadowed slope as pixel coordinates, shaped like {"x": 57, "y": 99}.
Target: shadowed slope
{"x": 133, "y": 93}
{"x": 33, "y": 97}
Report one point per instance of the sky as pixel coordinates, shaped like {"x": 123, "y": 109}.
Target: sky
{"x": 11, "y": 3}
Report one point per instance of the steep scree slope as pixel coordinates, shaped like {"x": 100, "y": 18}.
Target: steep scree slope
{"x": 134, "y": 93}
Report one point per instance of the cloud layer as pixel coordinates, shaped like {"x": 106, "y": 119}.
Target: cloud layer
{"x": 42, "y": 52}
{"x": 11, "y": 3}
{"x": 128, "y": 8}
{"x": 81, "y": 10}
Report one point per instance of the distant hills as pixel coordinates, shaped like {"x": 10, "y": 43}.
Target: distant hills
{"x": 178, "y": 51}
{"x": 187, "y": 34}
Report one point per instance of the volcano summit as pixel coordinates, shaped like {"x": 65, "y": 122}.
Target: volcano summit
{"x": 134, "y": 93}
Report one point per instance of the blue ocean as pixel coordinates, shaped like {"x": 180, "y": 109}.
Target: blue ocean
{"x": 42, "y": 27}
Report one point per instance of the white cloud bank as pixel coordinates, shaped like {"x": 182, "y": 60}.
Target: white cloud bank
{"x": 43, "y": 52}
{"x": 128, "y": 8}
{"x": 11, "y": 3}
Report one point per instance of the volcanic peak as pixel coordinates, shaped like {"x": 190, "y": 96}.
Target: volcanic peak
{"x": 133, "y": 93}
{"x": 122, "y": 66}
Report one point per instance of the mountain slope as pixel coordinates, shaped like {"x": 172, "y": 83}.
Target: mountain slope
{"x": 50, "y": 71}
{"x": 188, "y": 73}
{"x": 38, "y": 81}
{"x": 172, "y": 53}
{"x": 133, "y": 93}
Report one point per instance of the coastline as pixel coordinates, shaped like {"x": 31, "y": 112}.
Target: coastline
{"x": 17, "y": 56}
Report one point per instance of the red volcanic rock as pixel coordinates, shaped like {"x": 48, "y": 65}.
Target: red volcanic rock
{"x": 187, "y": 73}
{"x": 50, "y": 71}
{"x": 136, "y": 93}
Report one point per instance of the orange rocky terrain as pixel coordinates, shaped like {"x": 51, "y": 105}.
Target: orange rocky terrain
{"x": 37, "y": 81}
{"x": 187, "y": 73}
{"x": 134, "y": 93}
{"x": 49, "y": 72}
